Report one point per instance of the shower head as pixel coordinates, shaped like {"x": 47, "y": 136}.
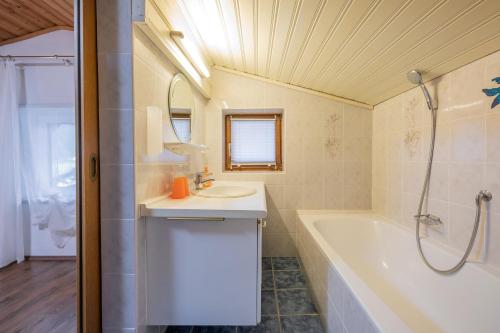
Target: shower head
{"x": 414, "y": 77}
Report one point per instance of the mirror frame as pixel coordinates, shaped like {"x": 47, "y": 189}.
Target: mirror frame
{"x": 175, "y": 80}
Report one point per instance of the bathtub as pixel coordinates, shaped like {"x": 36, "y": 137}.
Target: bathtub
{"x": 366, "y": 276}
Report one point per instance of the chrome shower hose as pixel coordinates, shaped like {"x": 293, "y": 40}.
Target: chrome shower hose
{"x": 482, "y": 196}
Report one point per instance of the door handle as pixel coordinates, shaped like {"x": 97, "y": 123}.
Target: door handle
{"x": 93, "y": 167}
{"x": 201, "y": 219}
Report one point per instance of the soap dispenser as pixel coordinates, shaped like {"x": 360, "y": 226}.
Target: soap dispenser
{"x": 206, "y": 175}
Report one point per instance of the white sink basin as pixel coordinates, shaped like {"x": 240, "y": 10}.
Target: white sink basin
{"x": 226, "y": 191}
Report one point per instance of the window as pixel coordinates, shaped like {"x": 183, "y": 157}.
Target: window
{"x": 48, "y": 143}
{"x": 182, "y": 126}
{"x": 62, "y": 148}
{"x": 253, "y": 142}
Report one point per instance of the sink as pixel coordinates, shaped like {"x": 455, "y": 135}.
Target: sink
{"x": 226, "y": 191}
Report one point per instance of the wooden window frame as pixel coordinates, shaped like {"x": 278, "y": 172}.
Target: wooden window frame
{"x": 180, "y": 116}
{"x": 278, "y": 166}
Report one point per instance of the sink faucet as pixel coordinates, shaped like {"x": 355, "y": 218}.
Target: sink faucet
{"x": 198, "y": 180}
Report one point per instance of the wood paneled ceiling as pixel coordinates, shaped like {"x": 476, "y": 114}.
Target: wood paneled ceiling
{"x": 357, "y": 49}
{"x": 23, "y": 19}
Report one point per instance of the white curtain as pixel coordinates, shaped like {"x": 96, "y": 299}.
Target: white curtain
{"x": 11, "y": 229}
{"x": 49, "y": 169}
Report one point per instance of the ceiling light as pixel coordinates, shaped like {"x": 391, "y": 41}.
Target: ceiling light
{"x": 191, "y": 52}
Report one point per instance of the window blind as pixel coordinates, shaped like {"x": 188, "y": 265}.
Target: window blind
{"x": 253, "y": 141}
{"x": 182, "y": 128}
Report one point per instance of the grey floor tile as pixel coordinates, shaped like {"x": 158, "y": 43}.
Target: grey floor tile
{"x": 266, "y": 263}
{"x": 267, "y": 280}
{"x": 178, "y": 329}
{"x": 267, "y": 325}
{"x": 301, "y": 324}
{"x": 289, "y": 279}
{"x": 285, "y": 263}
{"x": 268, "y": 304}
{"x": 295, "y": 301}
{"x": 214, "y": 329}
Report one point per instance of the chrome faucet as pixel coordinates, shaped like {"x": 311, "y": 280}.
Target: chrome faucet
{"x": 198, "y": 180}
{"x": 428, "y": 219}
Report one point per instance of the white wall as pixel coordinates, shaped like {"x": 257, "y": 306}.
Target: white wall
{"x": 45, "y": 86}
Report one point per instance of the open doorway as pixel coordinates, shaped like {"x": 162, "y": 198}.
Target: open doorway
{"x": 43, "y": 102}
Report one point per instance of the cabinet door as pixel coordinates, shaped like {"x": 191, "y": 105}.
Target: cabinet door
{"x": 202, "y": 272}
{"x": 259, "y": 268}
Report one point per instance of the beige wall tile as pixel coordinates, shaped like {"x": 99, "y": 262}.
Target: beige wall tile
{"x": 493, "y": 137}
{"x": 462, "y": 222}
{"x": 357, "y": 122}
{"x": 312, "y": 149}
{"x": 275, "y": 197}
{"x": 275, "y": 221}
{"x": 468, "y": 140}
{"x": 357, "y": 178}
{"x": 492, "y": 184}
{"x": 357, "y": 149}
{"x": 466, "y": 180}
{"x": 280, "y": 245}
{"x": 439, "y": 182}
{"x": 466, "y": 157}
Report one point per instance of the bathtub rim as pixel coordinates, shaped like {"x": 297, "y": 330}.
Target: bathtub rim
{"x": 426, "y": 241}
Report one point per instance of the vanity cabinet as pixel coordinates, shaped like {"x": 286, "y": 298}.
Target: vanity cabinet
{"x": 205, "y": 271}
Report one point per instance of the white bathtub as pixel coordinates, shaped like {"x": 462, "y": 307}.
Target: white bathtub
{"x": 367, "y": 276}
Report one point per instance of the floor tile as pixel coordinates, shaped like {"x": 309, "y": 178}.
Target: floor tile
{"x": 289, "y": 279}
{"x": 285, "y": 263}
{"x": 267, "y": 325}
{"x": 295, "y": 301}
{"x": 266, "y": 263}
{"x": 268, "y": 304}
{"x": 301, "y": 324}
{"x": 178, "y": 329}
{"x": 267, "y": 280}
{"x": 214, "y": 329}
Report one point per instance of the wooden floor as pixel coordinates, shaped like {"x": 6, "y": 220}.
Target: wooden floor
{"x": 38, "y": 296}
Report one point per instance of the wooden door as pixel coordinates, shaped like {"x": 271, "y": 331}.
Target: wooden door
{"x": 89, "y": 281}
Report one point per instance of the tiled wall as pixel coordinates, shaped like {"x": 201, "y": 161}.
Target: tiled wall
{"x": 132, "y": 75}
{"x": 327, "y": 153}
{"x": 116, "y": 124}
{"x": 152, "y": 73}
{"x": 467, "y": 155}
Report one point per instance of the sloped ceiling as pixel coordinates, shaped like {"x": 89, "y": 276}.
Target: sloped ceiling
{"x": 357, "y": 49}
{"x": 22, "y": 19}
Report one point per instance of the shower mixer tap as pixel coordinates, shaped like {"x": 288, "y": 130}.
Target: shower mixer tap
{"x": 428, "y": 219}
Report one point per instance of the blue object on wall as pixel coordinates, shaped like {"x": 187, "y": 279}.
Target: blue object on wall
{"x": 494, "y": 92}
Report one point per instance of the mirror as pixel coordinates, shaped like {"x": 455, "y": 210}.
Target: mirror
{"x": 181, "y": 107}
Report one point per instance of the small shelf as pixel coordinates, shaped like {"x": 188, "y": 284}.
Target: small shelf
{"x": 181, "y": 148}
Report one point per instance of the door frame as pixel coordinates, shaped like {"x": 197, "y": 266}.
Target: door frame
{"x": 89, "y": 254}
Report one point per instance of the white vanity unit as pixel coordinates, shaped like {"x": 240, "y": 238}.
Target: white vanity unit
{"x": 203, "y": 257}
